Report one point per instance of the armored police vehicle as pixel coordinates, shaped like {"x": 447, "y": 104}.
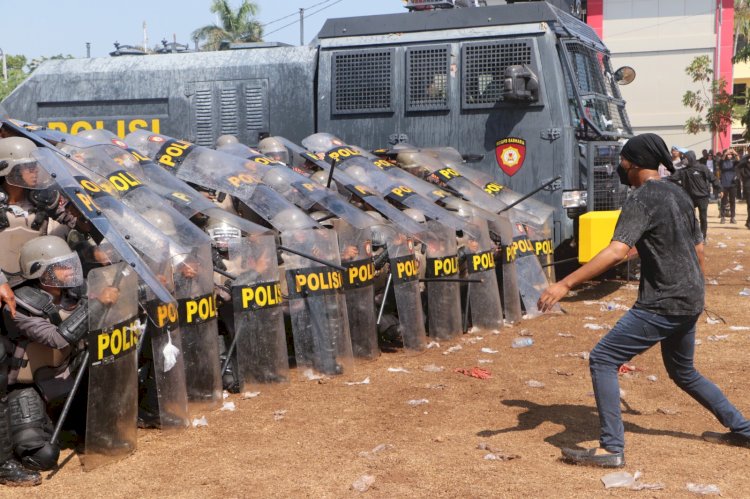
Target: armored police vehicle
{"x": 526, "y": 87}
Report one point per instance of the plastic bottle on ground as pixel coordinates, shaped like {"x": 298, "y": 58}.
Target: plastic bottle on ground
{"x": 522, "y": 342}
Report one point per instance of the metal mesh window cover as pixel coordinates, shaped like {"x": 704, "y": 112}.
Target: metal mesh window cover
{"x": 204, "y": 133}
{"x": 607, "y": 192}
{"x": 606, "y": 114}
{"x": 427, "y": 70}
{"x": 229, "y": 112}
{"x": 483, "y": 68}
{"x": 362, "y": 81}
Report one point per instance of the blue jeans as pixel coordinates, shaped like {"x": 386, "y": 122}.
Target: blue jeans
{"x": 634, "y": 333}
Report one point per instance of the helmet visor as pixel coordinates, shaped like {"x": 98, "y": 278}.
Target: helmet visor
{"x": 29, "y": 175}
{"x": 63, "y": 272}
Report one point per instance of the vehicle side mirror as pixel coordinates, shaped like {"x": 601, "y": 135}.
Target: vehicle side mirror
{"x": 521, "y": 84}
{"x": 625, "y": 75}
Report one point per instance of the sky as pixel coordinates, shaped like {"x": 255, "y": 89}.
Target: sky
{"x": 37, "y": 28}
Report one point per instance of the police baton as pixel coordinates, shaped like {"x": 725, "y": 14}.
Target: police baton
{"x": 449, "y": 279}
{"x": 313, "y": 258}
{"x": 225, "y": 273}
{"x": 527, "y": 196}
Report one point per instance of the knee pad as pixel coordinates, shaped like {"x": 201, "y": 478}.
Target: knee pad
{"x": 31, "y": 428}
{"x": 42, "y": 459}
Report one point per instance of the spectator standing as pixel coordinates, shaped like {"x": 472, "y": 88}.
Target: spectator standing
{"x": 743, "y": 172}
{"x": 696, "y": 179}
{"x": 728, "y": 179}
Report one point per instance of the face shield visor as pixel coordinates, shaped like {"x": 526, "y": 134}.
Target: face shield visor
{"x": 63, "y": 272}
{"x": 29, "y": 175}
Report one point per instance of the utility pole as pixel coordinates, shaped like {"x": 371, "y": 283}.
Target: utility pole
{"x": 301, "y": 26}
{"x": 88, "y": 50}
{"x": 145, "y": 38}
{"x": 5, "y": 67}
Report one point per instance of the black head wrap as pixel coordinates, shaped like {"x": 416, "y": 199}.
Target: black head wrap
{"x": 690, "y": 159}
{"x": 647, "y": 150}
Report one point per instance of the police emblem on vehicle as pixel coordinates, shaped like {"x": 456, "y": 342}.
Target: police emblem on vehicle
{"x": 510, "y": 153}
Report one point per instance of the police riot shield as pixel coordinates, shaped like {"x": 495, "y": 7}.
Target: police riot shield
{"x": 404, "y": 275}
{"x": 532, "y": 280}
{"x": 258, "y": 316}
{"x": 197, "y": 312}
{"x": 317, "y": 306}
{"x": 114, "y": 332}
{"x": 503, "y": 231}
{"x": 355, "y": 246}
{"x": 484, "y": 298}
{"x": 443, "y": 298}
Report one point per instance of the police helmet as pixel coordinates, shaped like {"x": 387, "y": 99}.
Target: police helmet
{"x": 161, "y": 220}
{"x": 99, "y": 136}
{"x": 50, "y": 259}
{"x": 415, "y": 215}
{"x": 463, "y": 208}
{"x": 225, "y": 140}
{"x": 321, "y": 142}
{"x": 321, "y": 177}
{"x": 14, "y": 151}
{"x": 290, "y": 219}
{"x": 274, "y": 149}
{"x": 222, "y": 233}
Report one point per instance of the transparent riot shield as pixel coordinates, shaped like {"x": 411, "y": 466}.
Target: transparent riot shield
{"x": 193, "y": 277}
{"x": 503, "y": 230}
{"x": 532, "y": 280}
{"x": 112, "y": 406}
{"x": 484, "y": 297}
{"x": 544, "y": 248}
{"x": 317, "y": 306}
{"x": 355, "y": 246}
{"x": 443, "y": 298}
{"x": 258, "y": 327}
{"x": 404, "y": 276}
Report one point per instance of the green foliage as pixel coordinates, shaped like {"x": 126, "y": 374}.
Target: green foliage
{"x": 19, "y": 69}
{"x": 235, "y": 25}
{"x": 711, "y": 101}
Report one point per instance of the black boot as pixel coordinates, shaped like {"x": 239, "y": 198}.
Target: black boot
{"x": 11, "y": 471}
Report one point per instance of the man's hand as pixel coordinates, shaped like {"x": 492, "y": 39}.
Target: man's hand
{"x": 7, "y": 297}
{"x": 109, "y": 296}
{"x": 552, "y": 295}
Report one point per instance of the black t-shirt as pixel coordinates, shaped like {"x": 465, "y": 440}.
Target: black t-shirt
{"x": 659, "y": 220}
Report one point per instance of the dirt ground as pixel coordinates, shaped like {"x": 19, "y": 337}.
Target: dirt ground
{"x": 324, "y": 441}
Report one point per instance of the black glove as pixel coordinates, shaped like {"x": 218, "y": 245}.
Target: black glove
{"x": 76, "y": 326}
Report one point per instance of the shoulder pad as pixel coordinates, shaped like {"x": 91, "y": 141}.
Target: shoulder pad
{"x": 33, "y": 300}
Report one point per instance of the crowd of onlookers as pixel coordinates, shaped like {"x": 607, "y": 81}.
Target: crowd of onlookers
{"x": 724, "y": 177}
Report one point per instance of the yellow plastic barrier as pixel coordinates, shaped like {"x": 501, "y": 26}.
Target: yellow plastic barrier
{"x": 595, "y": 230}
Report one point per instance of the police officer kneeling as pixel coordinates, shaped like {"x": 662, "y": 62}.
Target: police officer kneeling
{"x": 41, "y": 344}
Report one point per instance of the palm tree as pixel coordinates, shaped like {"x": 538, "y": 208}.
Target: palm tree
{"x": 235, "y": 25}
{"x": 741, "y": 23}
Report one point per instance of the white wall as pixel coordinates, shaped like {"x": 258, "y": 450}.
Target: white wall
{"x": 659, "y": 39}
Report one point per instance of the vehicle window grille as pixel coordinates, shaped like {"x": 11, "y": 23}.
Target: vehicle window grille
{"x": 229, "y": 112}
{"x": 254, "y": 106}
{"x": 484, "y": 70}
{"x": 204, "y": 133}
{"x": 608, "y": 192}
{"x": 427, "y": 78}
{"x": 362, "y": 81}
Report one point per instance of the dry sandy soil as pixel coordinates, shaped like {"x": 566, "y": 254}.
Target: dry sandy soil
{"x": 324, "y": 441}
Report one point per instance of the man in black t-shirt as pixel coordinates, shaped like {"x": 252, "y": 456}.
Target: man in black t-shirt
{"x": 658, "y": 220}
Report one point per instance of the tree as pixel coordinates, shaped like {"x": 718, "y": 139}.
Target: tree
{"x": 712, "y": 102}
{"x": 19, "y": 70}
{"x": 235, "y": 25}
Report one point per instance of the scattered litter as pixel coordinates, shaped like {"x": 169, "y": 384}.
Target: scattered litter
{"x": 709, "y": 320}
{"x": 721, "y": 245}
{"x": 652, "y": 378}
{"x": 473, "y": 339}
{"x": 310, "y": 375}
{"x": 609, "y": 306}
{"x": 433, "y": 344}
{"x": 228, "y": 406}
{"x": 416, "y": 402}
{"x": 562, "y": 373}
{"x": 590, "y": 302}
{"x": 718, "y": 337}
{"x": 589, "y": 318}
{"x": 739, "y": 328}
{"x": 225, "y": 394}
{"x": 580, "y": 355}
{"x": 250, "y": 395}
{"x": 363, "y": 483}
{"x": 738, "y": 268}
{"x": 365, "y": 381}
{"x": 593, "y": 327}
{"x": 198, "y": 422}
{"x": 452, "y": 349}
{"x": 485, "y": 361}
{"x": 745, "y": 292}
{"x": 376, "y": 450}
{"x": 437, "y": 386}
{"x": 474, "y": 372}
{"x": 496, "y": 454}
{"x": 666, "y": 411}
{"x": 725, "y": 271}
{"x": 572, "y": 293}
{"x": 740, "y": 251}
{"x": 705, "y": 490}
{"x": 713, "y": 282}
{"x": 398, "y": 370}
{"x": 474, "y": 329}
{"x": 279, "y": 415}
{"x": 630, "y": 287}
{"x": 522, "y": 342}
{"x": 698, "y": 342}
{"x": 532, "y": 383}
{"x": 495, "y": 331}
{"x": 628, "y": 368}
{"x": 525, "y": 332}
{"x": 623, "y": 479}
{"x": 565, "y": 335}
{"x": 488, "y": 350}
{"x": 432, "y": 368}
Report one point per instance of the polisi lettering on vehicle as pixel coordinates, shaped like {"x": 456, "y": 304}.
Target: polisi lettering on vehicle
{"x": 257, "y": 296}
{"x": 173, "y": 152}
{"x": 404, "y": 268}
{"x": 118, "y": 340}
{"x": 122, "y": 127}
{"x": 480, "y": 262}
{"x": 359, "y": 273}
{"x": 197, "y": 310}
{"x": 442, "y": 267}
{"x": 315, "y": 280}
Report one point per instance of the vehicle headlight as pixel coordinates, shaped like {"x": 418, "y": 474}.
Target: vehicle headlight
{"x": 574, "y": 199}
